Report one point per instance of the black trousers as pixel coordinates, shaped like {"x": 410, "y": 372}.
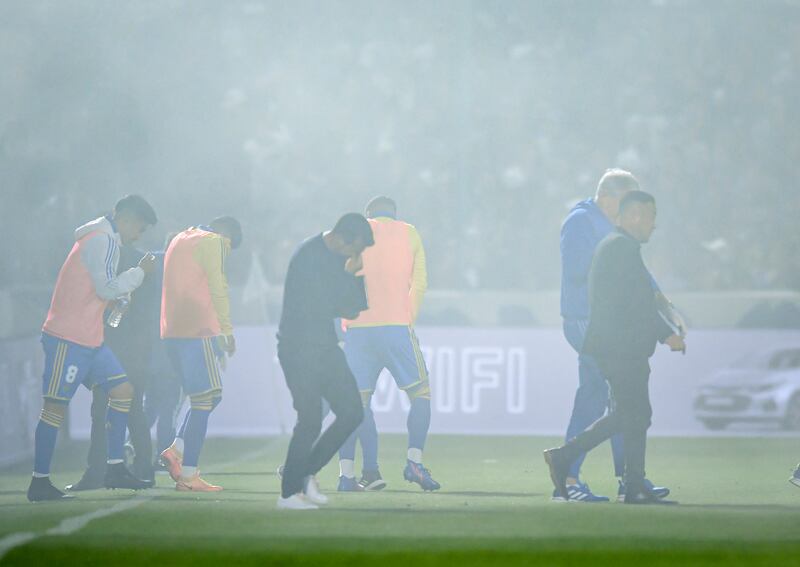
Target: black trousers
{"x": 311, "y": 377}
{"x": 630, "y": 415}
{"x": 138, "y": 426}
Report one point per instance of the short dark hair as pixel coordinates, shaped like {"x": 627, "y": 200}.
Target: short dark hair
{"x": 138, "y": 206}
{"x": 231, "y": 227}
{"x": 381, "y": 205}
{"x": 353, "y": 226}
{"x": 635, "y": 197}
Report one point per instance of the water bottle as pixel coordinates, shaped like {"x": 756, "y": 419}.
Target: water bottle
{"x": 120, "y": 307}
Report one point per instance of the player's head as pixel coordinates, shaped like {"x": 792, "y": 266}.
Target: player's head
{"x": 381, "y": 207}
{"x": 613, "y": 186}
{"x": 132, "y": 215}
{"x": 351, "y": 235}
{"x": 230, "y": 228}
{"x": 637, "y": 215}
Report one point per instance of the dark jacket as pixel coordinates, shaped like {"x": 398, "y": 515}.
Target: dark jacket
{"x": 317, "y": 291}
{"x": 624, "y": 322}
{"x": 133, "y": 340}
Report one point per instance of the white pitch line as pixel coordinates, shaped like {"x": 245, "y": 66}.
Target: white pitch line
{"x": 13, "y": 540}
{"x": 71, "y": 525}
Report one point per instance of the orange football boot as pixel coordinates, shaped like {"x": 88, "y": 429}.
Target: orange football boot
{"x": 174, "y": 462}
{"x": 195, "y": 484}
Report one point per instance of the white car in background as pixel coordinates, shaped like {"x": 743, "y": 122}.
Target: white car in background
{"x": 761, "y": 387}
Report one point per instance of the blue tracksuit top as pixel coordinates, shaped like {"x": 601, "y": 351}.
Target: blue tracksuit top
{"x": 581, "y": 232}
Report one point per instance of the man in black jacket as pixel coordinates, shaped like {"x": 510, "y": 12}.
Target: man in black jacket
{"x": 624, "y": 327}
{"x": 321, "y": 285}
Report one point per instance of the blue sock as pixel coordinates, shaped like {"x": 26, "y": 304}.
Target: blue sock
{"x": 368, "y": 435}
{"x": 194, "y": 435}
{"x": 116, "y": 425}
{"x": 45, "y": 441}
{"x": 418, "y": 423}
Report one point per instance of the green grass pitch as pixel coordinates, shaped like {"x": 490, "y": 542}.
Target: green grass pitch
{"x": 737, "y": 508}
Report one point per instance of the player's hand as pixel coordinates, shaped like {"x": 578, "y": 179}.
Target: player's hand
{"x": 676, "y": 343}
{"x": 354, "y": 264}
{"x": 147, "y": 263}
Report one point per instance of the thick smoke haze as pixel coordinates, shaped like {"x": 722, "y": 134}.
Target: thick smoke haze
{"x": 485, "y": 120}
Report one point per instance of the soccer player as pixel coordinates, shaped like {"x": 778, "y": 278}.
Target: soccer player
{"x": 321, "y": 285}
{"x": 195, "y": 313}
{"x": 383, "y": 337}
{"x": 624, "y": 327}
{"x": 585, "y": 226}
{"x": 72, "y": 338}
{"x": 131, "y": 342}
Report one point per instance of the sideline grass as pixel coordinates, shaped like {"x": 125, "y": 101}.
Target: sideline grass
{"x": 736, "y": 509}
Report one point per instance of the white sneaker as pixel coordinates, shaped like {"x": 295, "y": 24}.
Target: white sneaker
{"x": 296, "y": 502}
{"x": 312, "y": 492}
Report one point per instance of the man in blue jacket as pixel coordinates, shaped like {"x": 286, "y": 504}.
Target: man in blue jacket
{"x": 588, "y": 223}
{"x": 625, "y": 325}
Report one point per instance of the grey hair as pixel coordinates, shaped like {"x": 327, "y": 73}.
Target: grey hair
{"x": 615, "y": 182}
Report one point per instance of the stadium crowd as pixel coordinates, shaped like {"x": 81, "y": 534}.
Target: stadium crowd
{"x": 487, "y": 125}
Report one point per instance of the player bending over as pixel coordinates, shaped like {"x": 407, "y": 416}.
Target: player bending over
{"x": 383, "y": 337}
{"x": 72, "y": 337}
{"x": 195, "y": 313}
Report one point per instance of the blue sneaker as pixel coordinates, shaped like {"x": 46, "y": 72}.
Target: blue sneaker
{"x": 349, "y": 485}
{"x": 579, "y": 493}
{"x": 415, "y": 472}
{"x": 658, "y": 491}
{"x": 796, "y": 477}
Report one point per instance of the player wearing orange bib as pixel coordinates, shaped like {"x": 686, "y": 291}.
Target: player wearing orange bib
{"x": 383, "y": 337}
{"x": 73, "y": 340}
{"x": 195, "y": 324}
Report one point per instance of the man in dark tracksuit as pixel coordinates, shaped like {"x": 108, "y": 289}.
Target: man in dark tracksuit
{"x": 321, "y": 285}
{"x": 624, "y": 327}
{"x": 163, "y": 394}
{"x": 132, "y": 342}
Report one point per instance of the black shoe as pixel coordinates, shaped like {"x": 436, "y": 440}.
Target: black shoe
{"x": 372, "y": 480}
{"x": 118, "y": 476}
{"x": 647, "y": 497}
{"x": 41, "y": 490}
{"x": 145, "y": 471}
{"x": 91, "y": 480}
{"x": 559, "y": 469}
